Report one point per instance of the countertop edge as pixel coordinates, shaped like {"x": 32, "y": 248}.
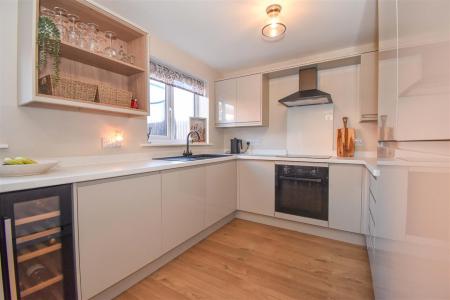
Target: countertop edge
{"x": 79, "y": 174}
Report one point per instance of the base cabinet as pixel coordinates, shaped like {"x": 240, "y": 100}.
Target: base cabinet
{"x": 345, "y": 195}
{"x": 256, "y": 184}
{"x": 183, "y": 205}
{"x": 119, "y": 229}
{"x": 221, "y": 191}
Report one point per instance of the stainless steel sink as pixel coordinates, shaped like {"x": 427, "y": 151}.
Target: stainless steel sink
{"x": 192, "y": 157}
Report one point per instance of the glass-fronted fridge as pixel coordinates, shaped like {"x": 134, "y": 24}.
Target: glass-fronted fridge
{"x": 37, "y": 253}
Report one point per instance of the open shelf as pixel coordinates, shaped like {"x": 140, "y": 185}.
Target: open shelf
{"x": 55, "y": 101}
{"x": 79, "y": 65}
{"x": 98, "y": 60}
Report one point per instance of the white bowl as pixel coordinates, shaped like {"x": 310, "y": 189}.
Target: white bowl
{"x": 40, "y": 167}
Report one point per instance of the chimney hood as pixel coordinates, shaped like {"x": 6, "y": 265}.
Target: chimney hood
{"x": 308, "y": 93}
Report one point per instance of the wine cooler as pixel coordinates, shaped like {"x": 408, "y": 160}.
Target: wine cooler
{"x": 37, "y": 254}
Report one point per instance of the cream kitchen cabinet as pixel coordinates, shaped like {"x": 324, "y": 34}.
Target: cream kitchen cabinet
{"x": 221, "y": 191}
{"x": 242, "y": 101}
{"x": 414, "y": 70}
{"x": 368, "y": 93}
{"x": 345, "y": 195}
{"x": 183, "y": 204}
{"x": 119, "y": 229}
{"x": 256, "y": 186}
{"x": 226, "y": 94}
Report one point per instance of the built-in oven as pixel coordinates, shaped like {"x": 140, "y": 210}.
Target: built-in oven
{"x": 302, "y": 190}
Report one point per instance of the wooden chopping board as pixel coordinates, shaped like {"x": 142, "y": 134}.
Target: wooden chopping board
{"x": 345, "y": 140}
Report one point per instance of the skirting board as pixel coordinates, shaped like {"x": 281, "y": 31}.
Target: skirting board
{"x": 131, "y": 280}
{"x": 343, "y": 236}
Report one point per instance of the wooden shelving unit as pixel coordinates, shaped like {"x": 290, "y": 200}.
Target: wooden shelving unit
{"x": 78, "y": 54}
{"x": 82, "y": 65}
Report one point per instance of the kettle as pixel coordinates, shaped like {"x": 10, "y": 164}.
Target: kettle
{"x": 236, "y": 146}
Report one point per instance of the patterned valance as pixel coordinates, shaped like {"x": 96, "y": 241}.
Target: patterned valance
{"x": 177, "y": 79}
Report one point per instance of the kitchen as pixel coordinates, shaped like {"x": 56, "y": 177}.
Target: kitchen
{"x": 217, "y": 165}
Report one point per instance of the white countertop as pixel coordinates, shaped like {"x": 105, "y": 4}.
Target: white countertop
{"x": 72, "y": 174}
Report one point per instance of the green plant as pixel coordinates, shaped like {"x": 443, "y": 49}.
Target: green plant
{"x": 49, "y": 44}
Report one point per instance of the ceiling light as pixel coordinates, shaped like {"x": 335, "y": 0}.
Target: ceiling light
{"x": 274, "y": 30}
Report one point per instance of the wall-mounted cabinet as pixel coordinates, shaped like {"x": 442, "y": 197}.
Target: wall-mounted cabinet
{"x": 368, "y": 87}
{"x": 414, "y": 70}
{"x": 242, "y": 101}
{"x": 90, "y": 77}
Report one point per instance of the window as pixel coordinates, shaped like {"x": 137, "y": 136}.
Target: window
{"x": 170, "y": 110}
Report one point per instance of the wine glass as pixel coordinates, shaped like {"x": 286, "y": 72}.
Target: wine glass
{"x": 60, "y": 19}
{"x": 122, "y": 54}
{"x": 110, "y": 51}
{"x": 92, "y": 37}
{"x": 83, "y": 38}
{"x": 73, "y": 34}
{"x": 100, "y": 44}
{"x": 46, "y": 12}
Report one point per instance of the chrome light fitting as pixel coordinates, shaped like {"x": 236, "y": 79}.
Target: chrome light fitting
{"x": 274, "y": 30}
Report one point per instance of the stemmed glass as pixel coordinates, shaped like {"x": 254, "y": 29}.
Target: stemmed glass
{"x": 48, "y": 13}
{"x": 83, "y": 39}
{"x": 60, "y": 20}
{"x": 73, "y": 35}
{"x": 92, "y": 37}
{"x": 110, "y": 51}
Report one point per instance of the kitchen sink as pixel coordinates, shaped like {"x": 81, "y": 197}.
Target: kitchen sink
{"x": 192, "y": 157}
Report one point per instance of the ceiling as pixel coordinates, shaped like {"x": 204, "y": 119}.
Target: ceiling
{"x": 225, "y": 34}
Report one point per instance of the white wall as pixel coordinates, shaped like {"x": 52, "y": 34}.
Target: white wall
{"x": 41, "y": 132}
{"x": 343, "y": 85}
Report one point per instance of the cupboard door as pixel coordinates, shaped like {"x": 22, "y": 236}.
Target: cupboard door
{"x": 368, "y": 100}
{"x": 345, "y": 197}
{"x": 183, "y": 205}
{"x": 119, "y": 229}
{"x": 257, "y": 187}
{"x": 221, "y": 191}
{"x": 423, "y": 70}
{"x": 226, "y": 101}
{"x": 249, "y": 100}
{"x": 387, "y": 69}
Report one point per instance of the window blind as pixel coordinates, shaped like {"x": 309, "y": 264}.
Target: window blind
{"x": 165, "y": 74}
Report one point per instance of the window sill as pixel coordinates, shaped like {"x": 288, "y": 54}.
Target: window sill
{"x": 174, "y": 144}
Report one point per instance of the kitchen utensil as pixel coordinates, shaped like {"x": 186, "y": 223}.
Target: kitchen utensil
{"x": 345, "y": 140}
{"x": 235, "y": 145}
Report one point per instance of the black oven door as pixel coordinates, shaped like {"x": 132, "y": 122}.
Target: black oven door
{"x": 302, "y": 191}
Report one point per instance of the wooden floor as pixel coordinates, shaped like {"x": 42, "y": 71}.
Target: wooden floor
{"x": 246, "y": 260}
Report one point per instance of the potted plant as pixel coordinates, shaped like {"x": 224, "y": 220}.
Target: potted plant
{"x": 49, "y": 45}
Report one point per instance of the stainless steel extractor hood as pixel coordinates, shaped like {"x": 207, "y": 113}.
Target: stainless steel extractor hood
{"x": 308, "y": 93}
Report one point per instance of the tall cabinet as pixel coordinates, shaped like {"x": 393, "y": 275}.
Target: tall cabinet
{"x": 414, "y": 70}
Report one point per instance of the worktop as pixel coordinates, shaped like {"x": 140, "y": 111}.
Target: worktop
{"x": 95, "y": 171}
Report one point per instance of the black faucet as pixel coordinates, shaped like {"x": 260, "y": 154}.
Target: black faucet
{"x": 188, "y": 152}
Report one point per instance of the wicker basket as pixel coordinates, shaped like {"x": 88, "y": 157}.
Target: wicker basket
{"x": 67, "y": 88}
{"x": 106, "y": 94}
{"x": 111, "y": 95}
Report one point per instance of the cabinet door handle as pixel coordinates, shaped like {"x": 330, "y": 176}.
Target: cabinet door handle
{"x": 10, "y": 259}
